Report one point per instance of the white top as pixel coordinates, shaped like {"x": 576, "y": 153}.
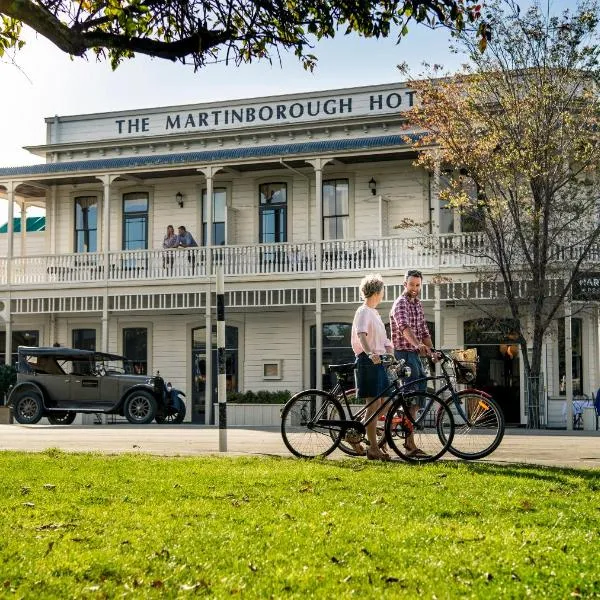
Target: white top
{"x": 368, "y": 320}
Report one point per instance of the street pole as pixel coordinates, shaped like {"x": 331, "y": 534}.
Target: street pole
{"x": 222, "y": 377}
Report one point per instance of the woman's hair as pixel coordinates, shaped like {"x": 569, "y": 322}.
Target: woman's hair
{"x": 371, "y": 284}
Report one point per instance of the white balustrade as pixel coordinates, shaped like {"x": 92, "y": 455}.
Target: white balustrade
{"x": 452, "y": 251}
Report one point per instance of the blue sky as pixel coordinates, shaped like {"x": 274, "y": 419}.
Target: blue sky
{"x": 45, "y": 82}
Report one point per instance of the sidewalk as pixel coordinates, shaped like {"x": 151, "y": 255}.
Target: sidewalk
{"x": 579, "y": 449}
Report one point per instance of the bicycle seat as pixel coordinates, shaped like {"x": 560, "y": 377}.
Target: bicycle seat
{"x": 345, "y": 369}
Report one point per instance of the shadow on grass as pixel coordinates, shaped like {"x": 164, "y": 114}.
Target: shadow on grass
{"x": 564, "y": 476}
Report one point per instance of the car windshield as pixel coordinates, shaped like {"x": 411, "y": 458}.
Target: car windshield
{"x": 115, "y": 365}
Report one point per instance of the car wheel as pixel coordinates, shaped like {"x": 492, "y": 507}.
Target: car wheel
{"x": 140, "y": 408}
{"x": 172, "y": 416}
{"x": 61, "y": 418}
{"x": 28, "y": 408}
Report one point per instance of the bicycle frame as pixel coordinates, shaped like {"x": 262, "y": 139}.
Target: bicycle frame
{"x": 397, "y": 389}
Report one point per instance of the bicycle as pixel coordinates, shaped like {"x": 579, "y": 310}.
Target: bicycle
{"x": 314, "y": 422}
{"x": 478, "y": 417}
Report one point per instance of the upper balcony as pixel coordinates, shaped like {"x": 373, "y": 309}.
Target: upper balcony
{"x": 432, "y": 254}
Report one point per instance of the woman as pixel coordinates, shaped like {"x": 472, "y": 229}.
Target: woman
{"x": 169, "y": 241}
{"x": 369, "y": 342}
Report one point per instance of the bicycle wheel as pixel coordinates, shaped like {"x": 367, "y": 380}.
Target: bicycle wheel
{"x": 433, "y": 416}
{"x": 345, "y": 445}
{"x": 300, "y": 431}
{"x": 479, "y": 425}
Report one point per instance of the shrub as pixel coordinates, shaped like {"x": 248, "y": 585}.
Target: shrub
{"x": 260, "y": 397}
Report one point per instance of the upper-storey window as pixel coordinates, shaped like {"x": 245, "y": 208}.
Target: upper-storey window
{"x": 219, "y": 212}
{"x": 469, "y": 217}
{"x": 135, "y": 221}
{"x": 272, "y": 212}
{"x": 86, "y": 224}
{"x": 336, "y": 215}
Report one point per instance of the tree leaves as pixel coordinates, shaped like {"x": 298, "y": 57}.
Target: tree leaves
{"x": 203, "y": 31}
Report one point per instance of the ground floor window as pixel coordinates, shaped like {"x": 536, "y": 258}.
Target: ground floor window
{"x": 577, "y": 350}
{"x": 337, "y": 349}
{"x": 199, "y": 368}
{"x": 19, "y": 338}
{"x": 135, "y": 348}
{"x": 84, "y": 339}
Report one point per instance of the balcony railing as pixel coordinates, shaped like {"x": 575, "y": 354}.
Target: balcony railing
{"x": 391, "y": 253}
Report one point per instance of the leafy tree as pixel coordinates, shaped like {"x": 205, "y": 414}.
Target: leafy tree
{"x": 520, "y": 129}
{"x": 201, "y": 31}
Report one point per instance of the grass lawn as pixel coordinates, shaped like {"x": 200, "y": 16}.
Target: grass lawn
{"x": 91, "y": 526}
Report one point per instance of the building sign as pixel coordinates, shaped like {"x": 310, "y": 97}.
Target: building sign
{"x": 587, "y": 287}
{"x": 318, "y": 106}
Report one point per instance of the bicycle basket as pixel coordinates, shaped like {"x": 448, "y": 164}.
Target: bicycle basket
{"x": 465, "y": 365}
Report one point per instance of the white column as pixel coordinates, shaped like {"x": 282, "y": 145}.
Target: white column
{"x": 208, "y": 342}
{"x": 10, "y": 199}
{"x": 8, "y": 339}
{"x": 106, "y": 181}
{"x": 568, "y": 365}
{"x": 52, "y": 224}
{"x": 435, "y": 197}
{"x": 23, "y": 207}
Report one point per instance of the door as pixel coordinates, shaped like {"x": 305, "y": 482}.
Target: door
{"x": 198, "y": 361}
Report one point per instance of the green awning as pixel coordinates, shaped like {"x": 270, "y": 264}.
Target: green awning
{"x": 33, "y": 224}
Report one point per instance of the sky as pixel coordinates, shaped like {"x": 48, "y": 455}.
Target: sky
{"x": 43, "y": 81}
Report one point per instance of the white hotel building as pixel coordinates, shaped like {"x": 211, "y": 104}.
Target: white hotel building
{"x": 307, "y": 190}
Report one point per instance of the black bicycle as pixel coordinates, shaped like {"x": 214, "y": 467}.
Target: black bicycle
{"x": 315, "y": 423}
{"x": 478, "y": 417}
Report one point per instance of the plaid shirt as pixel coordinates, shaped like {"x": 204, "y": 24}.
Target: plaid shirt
{"x": 405, "y": 314}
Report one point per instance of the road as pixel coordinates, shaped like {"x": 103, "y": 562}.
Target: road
{"x": 577, "y": 449}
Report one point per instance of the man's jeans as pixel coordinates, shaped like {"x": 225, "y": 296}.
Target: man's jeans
{"x": 413, "y": 360}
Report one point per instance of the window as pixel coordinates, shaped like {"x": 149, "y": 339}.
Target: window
{"x": 337, "y": 349}
{"x": 84, "y": 339}
{"x": 86, "y": 224}
{"x": 219, "y": 210}
{"x": 135, "y": 221}
{"x": 135, "y": 348}
{"x": 577, "y": 358}
{"x": 336, "y": 215}
{"x": 19, "y": 338}
{"x": 272, "y": 213}
{"x": 446, "y": 212}
{"x": 469, "y": 217}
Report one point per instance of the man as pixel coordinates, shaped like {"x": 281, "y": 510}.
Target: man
{"x": 411, "y": 338}
{"x": 185, "y": 240}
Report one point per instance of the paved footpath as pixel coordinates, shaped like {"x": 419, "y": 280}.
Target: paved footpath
{"x": 577, "y": 449}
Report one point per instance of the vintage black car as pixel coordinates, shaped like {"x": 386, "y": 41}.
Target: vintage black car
{"x": 57, "y": 383}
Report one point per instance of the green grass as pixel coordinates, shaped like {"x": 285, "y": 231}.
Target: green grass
{"x": 91, "y": 526}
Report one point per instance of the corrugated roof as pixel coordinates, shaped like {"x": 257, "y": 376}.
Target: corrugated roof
{"x": 207, "y": 156}
{"x": 33, "y": 224}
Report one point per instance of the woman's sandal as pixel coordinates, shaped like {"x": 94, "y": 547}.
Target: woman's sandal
{"x": 415, "y": 453}
{"x": 377, "y": 455}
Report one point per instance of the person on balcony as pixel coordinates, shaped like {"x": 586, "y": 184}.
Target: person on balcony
{"x": 169, "y": 241}
{"x": 369, "y": 341}
{"x": 186, "y": 240}
{"x": 411, "y": 339}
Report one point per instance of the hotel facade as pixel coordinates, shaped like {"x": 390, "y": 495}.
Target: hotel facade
{"x": 309, "y": 193}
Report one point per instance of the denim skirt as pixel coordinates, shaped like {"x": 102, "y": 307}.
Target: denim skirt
{"x": 371, "y": 379}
